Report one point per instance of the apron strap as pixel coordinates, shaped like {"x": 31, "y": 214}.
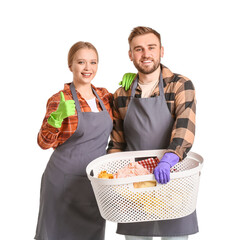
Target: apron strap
{"x": 134, "y": 87}
{"x": 78, "y": 108}
{"x": 77, "y": 103}
{"x": 74, "y": 95}
{"x": 100, "y": 101}
{"x": 161, "y": 86}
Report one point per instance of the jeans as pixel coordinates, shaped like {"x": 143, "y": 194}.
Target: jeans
{"x": 128, "y": 237}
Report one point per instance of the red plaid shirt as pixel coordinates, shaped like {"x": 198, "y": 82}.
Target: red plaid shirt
{"x": 149, "y": 163}
{"x": 49, "y": 136}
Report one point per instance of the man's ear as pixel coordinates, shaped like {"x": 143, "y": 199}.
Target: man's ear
{"x": 162, "y": 51}
{"x": 130, "y": 55}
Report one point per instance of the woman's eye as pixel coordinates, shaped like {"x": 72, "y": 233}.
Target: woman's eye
{"x": 93, "y": 62}
{"x": 81, "y": 62}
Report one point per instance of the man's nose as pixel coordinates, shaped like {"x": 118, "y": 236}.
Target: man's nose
{"x": 146, "y": 53}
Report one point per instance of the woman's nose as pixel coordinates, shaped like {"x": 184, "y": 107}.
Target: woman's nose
{"x": 87, "y": 66}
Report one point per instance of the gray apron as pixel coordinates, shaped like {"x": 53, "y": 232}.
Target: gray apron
{"x": 68, "y": 209}
{"x": 147, "y": 126}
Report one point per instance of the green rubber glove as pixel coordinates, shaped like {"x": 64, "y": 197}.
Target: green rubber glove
{"x": 127, "y": 80}
{"x": 65, "y": 109}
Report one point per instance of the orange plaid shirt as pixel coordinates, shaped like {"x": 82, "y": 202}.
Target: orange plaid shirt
{"x": 49, "y": 136}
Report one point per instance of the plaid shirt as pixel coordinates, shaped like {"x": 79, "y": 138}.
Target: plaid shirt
{"x": 49, "y": 136}
{"x": 181, "y": 102}
{"x": 150, "y": 163}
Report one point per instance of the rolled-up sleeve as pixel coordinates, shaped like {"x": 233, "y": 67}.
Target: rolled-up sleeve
{"x": 48, "y": 135}
{"x": 117, "y": 142}
{"x": 183, "y": 132}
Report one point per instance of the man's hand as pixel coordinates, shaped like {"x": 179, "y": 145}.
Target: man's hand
{"x": 162, "y": 171}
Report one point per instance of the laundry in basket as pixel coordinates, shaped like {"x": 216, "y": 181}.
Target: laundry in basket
{"x": 119, "y": 201}
{"x": 150, "y": 163}
{"x": 137, "y": 169}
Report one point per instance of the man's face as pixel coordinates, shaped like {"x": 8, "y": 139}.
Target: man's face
{"x": 145, "y": 52}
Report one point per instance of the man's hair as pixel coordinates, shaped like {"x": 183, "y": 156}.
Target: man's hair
{"x": 137, "y": 31}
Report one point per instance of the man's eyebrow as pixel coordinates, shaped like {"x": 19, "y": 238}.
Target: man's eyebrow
{"x": 137, "y": 47}
{"x": 150, "y": 45}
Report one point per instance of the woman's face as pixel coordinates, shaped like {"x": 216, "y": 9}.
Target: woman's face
{"x": 84, "y": 66}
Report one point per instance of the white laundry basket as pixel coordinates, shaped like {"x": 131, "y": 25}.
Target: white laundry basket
{"x": 119, "y": 201}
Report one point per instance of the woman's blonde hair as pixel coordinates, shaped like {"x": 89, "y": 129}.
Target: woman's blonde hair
{"x": 77, "y": 46}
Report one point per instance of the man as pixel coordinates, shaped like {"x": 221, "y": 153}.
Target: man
{"x": 157, "y": 112}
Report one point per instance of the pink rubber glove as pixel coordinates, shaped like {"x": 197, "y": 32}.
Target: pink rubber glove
{"x": 162, "y": 171}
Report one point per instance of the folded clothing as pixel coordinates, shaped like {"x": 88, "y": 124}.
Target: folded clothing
{"x": 142, "y": 167}
{"x": 131, "y": 170}
{"x": 135, "y": 169}
{"x": 104, "y": 174}
{"x": 150, "y": 163}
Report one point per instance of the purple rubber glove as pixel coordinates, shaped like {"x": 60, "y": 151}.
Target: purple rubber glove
{"x": 162, "y": 171}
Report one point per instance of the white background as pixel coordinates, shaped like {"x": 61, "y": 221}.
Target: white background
{"x": 199, "y": 41}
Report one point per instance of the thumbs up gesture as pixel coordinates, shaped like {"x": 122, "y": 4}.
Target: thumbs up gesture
{"x": 65, "y": 109}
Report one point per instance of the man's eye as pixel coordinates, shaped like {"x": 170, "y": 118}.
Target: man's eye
{"x": 138, "y": 50}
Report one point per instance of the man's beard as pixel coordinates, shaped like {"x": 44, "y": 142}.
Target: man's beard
{"x": 145, "y": 70}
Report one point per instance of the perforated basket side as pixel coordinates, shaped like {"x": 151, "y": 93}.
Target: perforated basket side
{"x": 119, "y": 201}
{"x": 123, "y": 203}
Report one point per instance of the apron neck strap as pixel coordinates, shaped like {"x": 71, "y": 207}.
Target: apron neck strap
{"x": 161, "y": 86}
{"x": 101, "y": 102}
{"x": 134, "y": 86}
{"x": 74, "y": 95}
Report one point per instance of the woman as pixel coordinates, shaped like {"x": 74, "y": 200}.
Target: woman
{"x": 77, "y": 125}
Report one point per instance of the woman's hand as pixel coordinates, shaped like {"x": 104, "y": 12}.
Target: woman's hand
{"x": 65, "y": 109}
{"x": 127, "y": 80}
